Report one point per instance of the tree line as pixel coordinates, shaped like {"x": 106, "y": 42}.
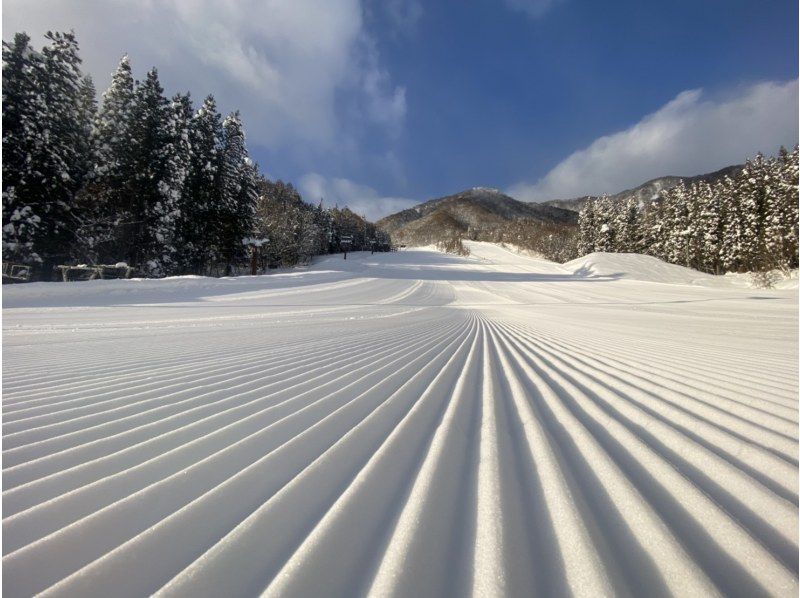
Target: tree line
{"x": 553, "y": 241}
{"x": 744, "y": 223}
{"x": 297, "y": 230}
{"x": 140, "y": 178}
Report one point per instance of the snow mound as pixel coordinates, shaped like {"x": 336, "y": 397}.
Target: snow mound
{"x": 789, "y": 282}
{"x": 774, "y": 279}
{"x": 634, "y": 266}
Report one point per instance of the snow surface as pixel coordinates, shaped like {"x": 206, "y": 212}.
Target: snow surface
{"x": 643, "y": 268}
{"x": 411, "y": 423}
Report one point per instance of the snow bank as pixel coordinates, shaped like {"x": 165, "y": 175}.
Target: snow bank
{"x": 646, "y": 268}
{"x": 777, "y": 279}
{"x": 634, "y": 266}
{"x": 788, "y": 281}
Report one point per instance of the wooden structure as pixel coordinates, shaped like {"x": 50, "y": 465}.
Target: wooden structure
{"x": 14, "y": 273}
{"x": 100, "y": 271}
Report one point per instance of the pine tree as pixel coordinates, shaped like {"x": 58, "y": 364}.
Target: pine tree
{"x": 237, "y": 192}
{"x": 157, "y": 182}
{"x": 109, "y": 189}
{"x": 201, "y": 209}
{"x": 604, "y": 223}
{"x": 708, "y": 227}
{"x": 178, "y": 156}
{"x": 23, "y": 116}
{"x": 781, "y": 212}
{"x": 755, "y": 189}
{"x": 626, "y": 223}
{"x": 310, "y": 235}
{"x": 650, "y": 233}
{"x": 733, "y": 221}
{"x": 112, "y": 130}
{"x": 86, "y": 211}
{"x": 587, "y": 227}
{"x": 44, "y": 148}
{"x": 60, "y": 160}
{"x": 674, "y": 225}
{"x": 696, "y": 196}
{"x": 87, "y": 113}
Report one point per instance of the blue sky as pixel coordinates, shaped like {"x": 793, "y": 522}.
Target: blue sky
{"x": 379, "y": 104}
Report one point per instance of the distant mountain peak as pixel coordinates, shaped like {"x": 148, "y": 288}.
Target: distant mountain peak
{"x": 465, "y": 212}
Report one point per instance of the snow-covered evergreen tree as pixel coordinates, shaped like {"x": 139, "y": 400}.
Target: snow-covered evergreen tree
{"x": 675, "y": 228}
{"x": 170, "y": 209}
{"x": 23, "y": 119}
{"x": 87, "y": 113}
{"x": 61, "y": 160}
{"x": 755, "y": 190}
{"x": 45, "y": 165}
{"x": 90, "y": 229}
{"x": 112, "y": 130}
{"x": 237, "y": 192}
{"x": 605, "y": 234}
{"x": 781, "y": 212}
{"x": 201, "y": 210}
{"x": 158, "y": 179}
{"x": 309, "y": 236}
{"x": 733, "y": 221}
{"x": 587, "y": 227}
{"x": 109, "y": 190}
{"x": 708, "y": 227}
{"x": 694, "y": 246}
{"x": 626, "y": 223}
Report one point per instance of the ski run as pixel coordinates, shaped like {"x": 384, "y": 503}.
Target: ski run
{"x": 405, "y": 424}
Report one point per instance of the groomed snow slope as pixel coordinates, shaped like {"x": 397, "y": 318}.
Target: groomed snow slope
{"x": 413, "y": 424}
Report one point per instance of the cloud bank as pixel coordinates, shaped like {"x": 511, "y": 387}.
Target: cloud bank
{"x": 691, "y": 134}
{"x": 361, "y": 199}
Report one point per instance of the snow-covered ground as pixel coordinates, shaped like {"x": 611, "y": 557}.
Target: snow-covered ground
{"x": 413, "y": 424}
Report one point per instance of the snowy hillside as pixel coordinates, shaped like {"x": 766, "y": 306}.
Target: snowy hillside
{"x": 409, "y": 423}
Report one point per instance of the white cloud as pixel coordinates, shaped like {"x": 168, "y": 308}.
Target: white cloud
{"x": 361, "y": 199}
{"x": 533, "y": 8}
{"x": 692, "y": 134}
{"x": 295, "y": 68}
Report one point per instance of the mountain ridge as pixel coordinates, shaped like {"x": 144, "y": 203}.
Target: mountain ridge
{"x": 473, "y": 212}
{"x": 649, "y": 190}
{"x": 475, "y": 209}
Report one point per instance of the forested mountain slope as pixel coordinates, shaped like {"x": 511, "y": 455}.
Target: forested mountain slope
{"x": 651, "y": 189}
{"x": 474, "y": 212}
